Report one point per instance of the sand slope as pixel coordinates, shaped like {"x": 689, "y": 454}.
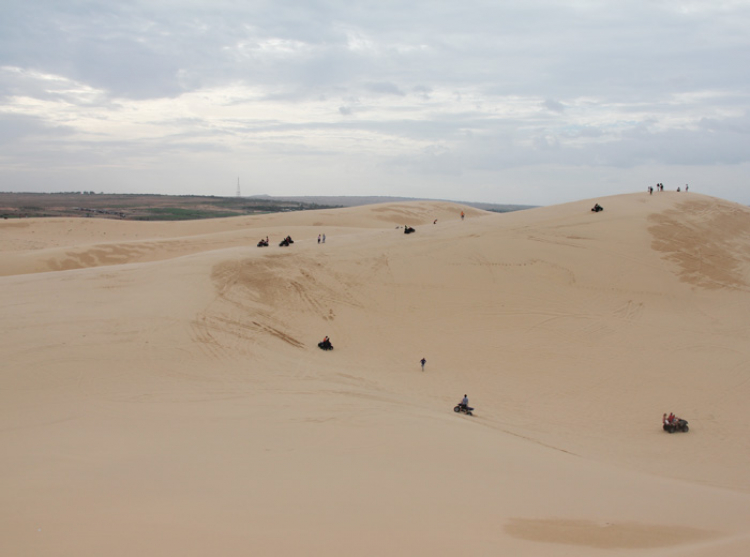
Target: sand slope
{"x": 163, "y": 394}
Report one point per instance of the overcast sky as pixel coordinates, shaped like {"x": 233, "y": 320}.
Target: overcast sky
{"x": 530, "y": 102}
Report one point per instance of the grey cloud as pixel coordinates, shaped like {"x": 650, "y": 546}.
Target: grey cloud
{"x": 423, "y": 91}
{"x": 16, "y": 128}
{"x": 146, "y": 50}
{"x": 503, "y": 150}
{"x": 545, "y": 142}
{"x": 385, "y": 88}
{"x": 553, "y": 105}
{"x": 682, "y": 147}
{"x": 129, "y": 69}
{"x": 600, "y": 79}
{"x": 575, "y": 131}
{"x": 735, "y": 125}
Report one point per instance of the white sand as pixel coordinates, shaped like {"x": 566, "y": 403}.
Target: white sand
{"x": 162, "y": 392}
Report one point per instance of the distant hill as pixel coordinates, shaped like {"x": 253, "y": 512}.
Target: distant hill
{"x": 185, "y": 207}
{"x": 140, "y": 206}
{"x": 357, "y": 200}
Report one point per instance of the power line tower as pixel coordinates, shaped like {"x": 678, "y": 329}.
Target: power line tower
{"x": 238, "y": 188}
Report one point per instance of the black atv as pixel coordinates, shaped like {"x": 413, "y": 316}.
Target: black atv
{"x": 325, "y": 345}
{"x": 463, "y": 408}
{"x": 679, "y": 425}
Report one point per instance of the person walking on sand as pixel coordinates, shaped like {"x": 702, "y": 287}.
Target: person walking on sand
{"x": 318, "y": 238}
{"x": 324, "y": 238}
{"x": 423, "y": 362}
{"x": 462, "y": 215}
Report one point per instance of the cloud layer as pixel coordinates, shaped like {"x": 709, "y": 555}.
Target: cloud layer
{"x": 536, "y": 102}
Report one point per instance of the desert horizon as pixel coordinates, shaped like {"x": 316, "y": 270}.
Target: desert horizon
{"x": 163, "y": 392}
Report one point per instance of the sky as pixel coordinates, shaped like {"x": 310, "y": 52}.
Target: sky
{"x": 534, "y": 102}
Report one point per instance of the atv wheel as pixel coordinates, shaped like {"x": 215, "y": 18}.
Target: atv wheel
{"x": 457, "y": 409}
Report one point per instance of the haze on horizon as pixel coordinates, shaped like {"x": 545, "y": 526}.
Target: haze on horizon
{"x": 533, "y": 103}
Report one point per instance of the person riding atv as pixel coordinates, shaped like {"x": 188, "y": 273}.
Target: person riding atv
{"x": 464, "y": 407}
{"x": 325, "y": 344}
{"x": 672, "y": 423}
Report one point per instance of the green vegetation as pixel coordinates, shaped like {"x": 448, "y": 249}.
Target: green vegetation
{"x": 140, "y": 206}
{"x": 178, "y": 213}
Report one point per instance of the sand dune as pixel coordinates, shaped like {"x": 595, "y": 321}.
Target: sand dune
{"x": 163, "y": 394}
{"x": 65, "y": 244}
